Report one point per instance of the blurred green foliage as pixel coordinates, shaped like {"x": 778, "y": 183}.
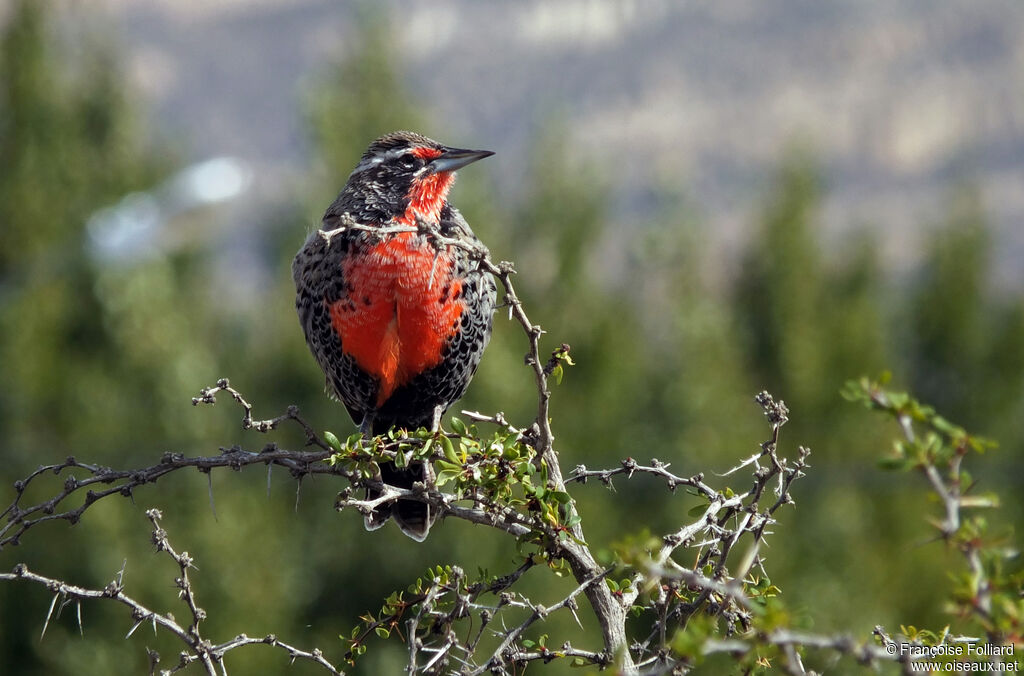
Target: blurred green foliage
{"x": 100, "y": 361}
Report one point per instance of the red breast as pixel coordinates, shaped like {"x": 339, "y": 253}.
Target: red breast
{"x": 403, "y": 303}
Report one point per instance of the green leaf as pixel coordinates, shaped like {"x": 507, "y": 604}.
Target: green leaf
{"x": 966, "y": 480}
{"x": 690, "y": 642}
{"x": 697, "y": 511}
{"x": 446, "y": 476}
{"x": 560, "y": 497}
{"x": 382, "y": 632}
{"x": 898, "y": 399}
{"x": 332, "y": 440}
{"x": 449, "y": 450}
{"x": 854, "y": 390}
{"x": 459, "y": 427}
{"x": 981, "y": 444}
{"x": 895, "y": 463}
{"x": 556, "y": 373}
{"x": 942, "y": 425}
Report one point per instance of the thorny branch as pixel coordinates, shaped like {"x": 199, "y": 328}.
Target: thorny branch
{"x": 629, "y": 467}
{"x": 610, "y": 612}
{"x": 208, "y": 395}
{"x": 197, "y": 648}
{"x": 720, "y": 579}
{"x": 98, "y": 482}
{"x": 949, "y": 484}
{"x": 501, "y": 654}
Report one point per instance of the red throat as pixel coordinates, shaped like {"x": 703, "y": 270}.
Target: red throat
{"x": 426, "y": 198}
{"x": 427, "y": 195}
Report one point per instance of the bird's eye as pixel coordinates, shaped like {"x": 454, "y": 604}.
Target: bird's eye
{"x": 409, "y": 162}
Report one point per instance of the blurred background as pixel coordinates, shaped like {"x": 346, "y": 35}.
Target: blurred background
{"x": 702, "y": 199}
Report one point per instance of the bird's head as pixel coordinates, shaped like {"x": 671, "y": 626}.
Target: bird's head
{"x": 411, "y": 174}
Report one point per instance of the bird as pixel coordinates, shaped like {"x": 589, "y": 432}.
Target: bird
{"x": 397, "y": 319}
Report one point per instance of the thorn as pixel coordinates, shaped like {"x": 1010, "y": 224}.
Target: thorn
{"x": 572, "y": 609}
{"x": 134, "y": 627}
{"x": 49, "y": 613}
{"x": 209, "y": 484}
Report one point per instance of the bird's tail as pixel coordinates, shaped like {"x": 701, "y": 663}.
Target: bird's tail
{"x": 414, "y": 518}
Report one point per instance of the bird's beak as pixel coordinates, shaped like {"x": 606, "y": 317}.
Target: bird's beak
{"x": 453, "y": 159}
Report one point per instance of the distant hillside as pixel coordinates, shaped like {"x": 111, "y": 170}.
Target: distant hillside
{"x": 900, "y": 99}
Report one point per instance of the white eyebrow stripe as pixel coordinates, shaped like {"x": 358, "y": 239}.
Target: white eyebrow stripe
{"x": 371, "y": 162}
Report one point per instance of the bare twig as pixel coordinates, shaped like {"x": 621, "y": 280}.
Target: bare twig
{"x": 98, "y": 482}
{"x": 198, "y": 649}
{"x": 502, "y": 655}
{"x": 630, "y": 467}
{"x": 208, "y": 395}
